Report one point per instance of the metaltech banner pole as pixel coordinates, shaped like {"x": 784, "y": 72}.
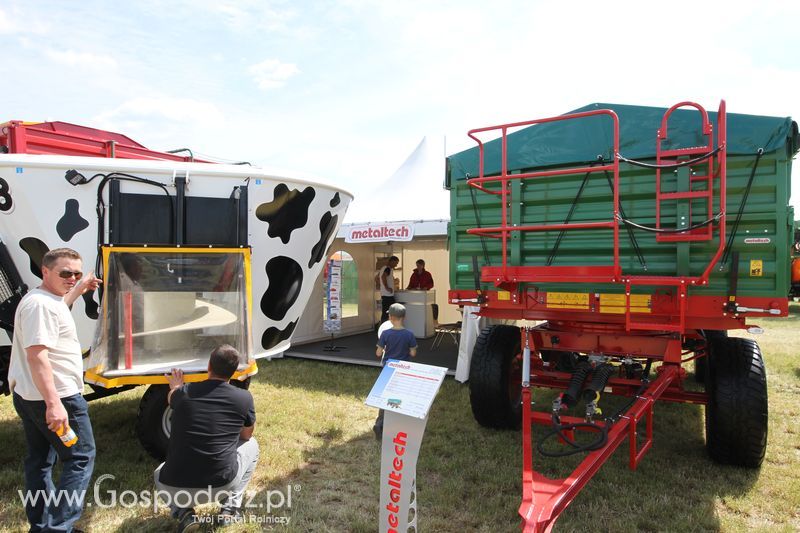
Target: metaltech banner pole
{"x": 402, "y": 438}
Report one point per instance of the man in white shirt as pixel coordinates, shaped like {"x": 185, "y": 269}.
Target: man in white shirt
{"x": 386, "y": 281}
{"x": 46, "y": 380}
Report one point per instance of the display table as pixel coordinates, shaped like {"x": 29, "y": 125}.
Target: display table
{"x": 419, "y": 311}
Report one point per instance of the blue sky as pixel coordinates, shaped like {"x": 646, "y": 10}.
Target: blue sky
{"x": 346, "y": 89}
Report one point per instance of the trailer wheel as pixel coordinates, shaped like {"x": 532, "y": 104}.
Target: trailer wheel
{"x": 701, "y": 364}
{"x": 154, "y": 421}
{"x": 241, "y": 384}
{"x": 494, "y": 378}
{"x": 736, "y": 413}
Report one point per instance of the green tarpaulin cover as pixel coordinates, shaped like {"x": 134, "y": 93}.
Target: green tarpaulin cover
{"x": 582, "y": 140}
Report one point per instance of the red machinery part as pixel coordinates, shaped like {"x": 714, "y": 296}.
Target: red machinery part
{"x": 62, "y": 138}
{"x": 543, "y": 499}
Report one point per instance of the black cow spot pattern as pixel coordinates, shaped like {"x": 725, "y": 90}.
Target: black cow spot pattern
{"x": 274, "y": 336}
{"x": 35, "y": 250}
{"x": 335, "y": 200}
{"x": 287, "y": 212}
{"x": 90, "y": 306}
{"x": 72, "y": 222}
{"x": 285, "y": 277}
{"x": 327, "y": 225}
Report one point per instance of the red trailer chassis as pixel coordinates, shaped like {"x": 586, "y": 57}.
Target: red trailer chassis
{"x": 611, "y": 327}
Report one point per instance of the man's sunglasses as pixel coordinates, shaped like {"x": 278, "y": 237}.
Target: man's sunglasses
{"x": 66, "y": 274}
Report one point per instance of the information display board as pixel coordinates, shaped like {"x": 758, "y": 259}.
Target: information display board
{"x": 333, "y": 320}
{"x": 405, "y": 391}
{"x": 406, "y": 388}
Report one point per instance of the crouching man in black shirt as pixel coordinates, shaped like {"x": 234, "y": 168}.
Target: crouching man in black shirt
{"x": 211, "y": 454}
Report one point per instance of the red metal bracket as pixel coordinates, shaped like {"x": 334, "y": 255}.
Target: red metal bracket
{"x": 544, "y": 499}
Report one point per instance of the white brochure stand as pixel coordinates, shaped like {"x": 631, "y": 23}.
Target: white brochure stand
{"x": 405, "y": 391}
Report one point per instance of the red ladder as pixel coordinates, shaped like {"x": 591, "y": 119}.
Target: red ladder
{"x": 702, "y": 177}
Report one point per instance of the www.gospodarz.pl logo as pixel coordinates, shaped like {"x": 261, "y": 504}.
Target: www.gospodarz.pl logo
{"x": 271, "y": 500}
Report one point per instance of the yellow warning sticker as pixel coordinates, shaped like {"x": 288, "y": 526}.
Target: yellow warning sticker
{"x": 615, "y": 303}
{"x": 568, "y": 300}
{"x": 756, "y": 268}
{"x": 503, "y": 295}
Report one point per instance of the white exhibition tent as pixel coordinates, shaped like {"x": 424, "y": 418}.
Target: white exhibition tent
{"x": 413, "y": 195}
{"x": 414, "y": 192}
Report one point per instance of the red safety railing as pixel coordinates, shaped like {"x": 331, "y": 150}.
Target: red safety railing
{"x": 598, "y": 273}
{"x": 707, "y": 156}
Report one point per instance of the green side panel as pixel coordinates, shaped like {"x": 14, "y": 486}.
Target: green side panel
{"x": 765, "y": 232}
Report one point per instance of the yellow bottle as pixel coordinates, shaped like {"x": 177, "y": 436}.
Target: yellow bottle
{"x": 67, "y": 436}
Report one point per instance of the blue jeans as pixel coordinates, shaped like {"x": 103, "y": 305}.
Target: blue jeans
{"x": 43, "y": 448}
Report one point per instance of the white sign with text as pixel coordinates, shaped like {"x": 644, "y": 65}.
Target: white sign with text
{"x": 406, "y": 388}
{"x": 379, "y": 233}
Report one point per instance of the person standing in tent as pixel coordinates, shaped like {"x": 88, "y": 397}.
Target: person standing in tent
{"x": 386, "y": 286}
{"x": 422, "y": 280}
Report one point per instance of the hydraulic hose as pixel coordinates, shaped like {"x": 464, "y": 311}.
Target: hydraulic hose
{"x": 601, "y": 376}
{"x": 559, "y": 429}
{"x": 573, "y": 392}
{"x": 599, "y": 380}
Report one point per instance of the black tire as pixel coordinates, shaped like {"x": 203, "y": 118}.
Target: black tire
{"x": 153, "y": 423}
{"x": 737, "y": 413}
{"x": 243, "y": 384}
{"x": 494, "y": 378}
{"x": 701, "y": 364}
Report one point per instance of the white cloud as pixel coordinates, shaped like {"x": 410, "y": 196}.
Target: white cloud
{"x": 272, "y": 73}
{"x": 17, "y": 23}
{"x": 252, "y": 13}
{"x": 163, "y": 122}
{"x": 183, "y": 110}
{"x": 72, "y": 58}
{"x": 5, "y": 24}
{"x": 240, "y": 16}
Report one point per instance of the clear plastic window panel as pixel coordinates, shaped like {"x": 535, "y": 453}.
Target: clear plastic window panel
{"x": 164, "y": 310}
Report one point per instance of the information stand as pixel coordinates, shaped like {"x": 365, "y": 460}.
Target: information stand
{"x": 405, "y": 391}
{"x": 333, "y": 293}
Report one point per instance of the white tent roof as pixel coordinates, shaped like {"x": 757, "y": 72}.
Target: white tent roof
{"x": 414, "y": 192}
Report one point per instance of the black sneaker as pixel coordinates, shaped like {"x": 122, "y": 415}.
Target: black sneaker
{"x": 188, "y": 522}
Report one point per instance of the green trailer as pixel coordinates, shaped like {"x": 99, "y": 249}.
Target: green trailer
{"x": 627, "y": 239}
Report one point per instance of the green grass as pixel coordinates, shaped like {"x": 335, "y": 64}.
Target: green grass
{"x": 315, "y": 435}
